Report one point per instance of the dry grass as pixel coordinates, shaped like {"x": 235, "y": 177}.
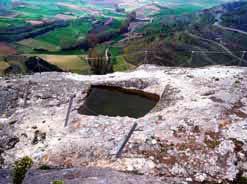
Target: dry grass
{"x": 3, "y": 67}
{"x": 72, "y": 63}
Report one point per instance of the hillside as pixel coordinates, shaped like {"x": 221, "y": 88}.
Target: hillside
{"x": 213, "y": 36}
{"x": 69, "y": 27}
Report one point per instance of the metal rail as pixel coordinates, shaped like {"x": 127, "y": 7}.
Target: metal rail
{"x": 125, "y": 141}
{"x": 69, "y": 110}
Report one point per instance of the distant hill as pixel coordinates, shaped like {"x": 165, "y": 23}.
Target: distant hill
{"x": 5, "y": 4}
{"x": 212, "y": 36}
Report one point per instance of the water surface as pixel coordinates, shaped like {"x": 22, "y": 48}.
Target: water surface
{"x": 114, "y": 101}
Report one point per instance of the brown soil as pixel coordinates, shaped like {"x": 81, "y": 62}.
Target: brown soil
{"x": 6, "y": 49}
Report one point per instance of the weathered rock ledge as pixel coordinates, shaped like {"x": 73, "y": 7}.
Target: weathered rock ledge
{"x": 197, "y": 132}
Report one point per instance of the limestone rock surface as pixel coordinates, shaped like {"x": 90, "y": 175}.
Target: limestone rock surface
{"x": 197, "y": 131}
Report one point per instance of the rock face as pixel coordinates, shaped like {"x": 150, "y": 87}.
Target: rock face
{"x": 5, "y": 176}
{"x": 88, "y": 176}
{"x": 197, "y": 132}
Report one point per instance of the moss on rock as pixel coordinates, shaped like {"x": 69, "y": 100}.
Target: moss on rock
{"x": 58, "y": 182}
{"x": 20, "y": 169}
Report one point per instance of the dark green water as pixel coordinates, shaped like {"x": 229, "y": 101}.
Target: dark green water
{"x": 113, "y": 101}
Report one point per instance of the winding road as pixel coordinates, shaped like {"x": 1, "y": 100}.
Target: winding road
{"x": 241, "y": 59}
{"x": 217, "y": 24}
{"x": 231, "y": 29}
{"x": 215, "y": 43}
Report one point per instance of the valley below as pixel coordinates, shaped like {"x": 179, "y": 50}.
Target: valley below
{"x": 120, "y": 91}
{"x": 173, "y": 33}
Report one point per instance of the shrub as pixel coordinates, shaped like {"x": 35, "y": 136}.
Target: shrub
{"x": 242, "y": 180}
{"x": 20, "y": 169}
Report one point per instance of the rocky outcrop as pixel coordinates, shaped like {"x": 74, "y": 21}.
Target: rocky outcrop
{"x": 88, "y": 176}
{"x": 5, "y": 176}
{"x": 197, "y": 132}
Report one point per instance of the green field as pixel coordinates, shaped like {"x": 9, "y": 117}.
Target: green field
{"x": 38, "y": 44}
{"x": 65, "y": 36}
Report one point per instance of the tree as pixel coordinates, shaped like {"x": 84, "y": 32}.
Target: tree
{"x": 100, "y": 63}
{"x": 92, "y": 40}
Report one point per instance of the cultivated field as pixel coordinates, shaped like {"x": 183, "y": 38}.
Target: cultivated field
{"x": 38, "y": 44}
{"x": 6, "y": 49}
{"x": 71, "y": 63}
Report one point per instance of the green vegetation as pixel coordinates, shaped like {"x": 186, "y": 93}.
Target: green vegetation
{"x": 234, "y": 19}
{"x": 32, "y": 44}
{"x": 100, "y": 61}
{"x": 241, "y": 180}
{"x": 109, "y": 13}
{"x": 121, "y": 65}
{"x": 185, "y": 9}
{"x": 36, "y": 12}
{"x": 173, "y": 33}
{"x": 6, "y": 22}
{"x": 20, "y": 169}
{"x": 58, "y": 182}
{"x": 69, "y": 35}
